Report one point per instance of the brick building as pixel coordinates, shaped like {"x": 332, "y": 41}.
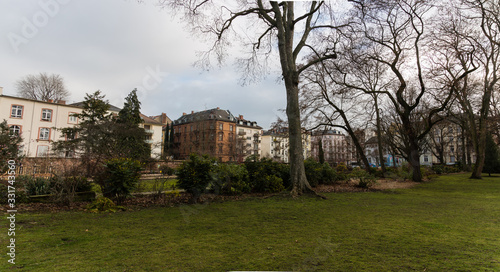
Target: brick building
{"x": 211, "y": 132}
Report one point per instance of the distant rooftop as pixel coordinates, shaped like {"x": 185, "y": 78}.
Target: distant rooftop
{"x": 212, "y": 114}
{"x": 111, "y": 107}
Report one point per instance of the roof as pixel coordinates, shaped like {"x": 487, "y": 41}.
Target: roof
{"x": 111, "y": 107}
{"x": 60, "y": 103}
{"x": 281, "y": 132}
{"x": 245, "y": 123}
{"x": 327, "y": 132}
{"x": 372, "y": 140}
{"x": 212, "y": 114}
{"x": 149, "y": 120}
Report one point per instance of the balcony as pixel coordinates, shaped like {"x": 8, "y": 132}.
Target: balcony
{"x": 149, "y": 131}
{"x": 148, "y": 141}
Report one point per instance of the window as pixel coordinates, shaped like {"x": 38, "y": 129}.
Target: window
{"x": 42, "y": 151}
{"x": 44, "y": 134}
{"x": 17, "y": 111}
{"x": 221, "y": 136}
{"x": 15, "y": 130}
{"x": 72, "y": 118}
{"x": 46, "y": 115}
{"x": 426, "y": 158}
{"x": 231, "y": 127}
{"x": 221, "y": 126}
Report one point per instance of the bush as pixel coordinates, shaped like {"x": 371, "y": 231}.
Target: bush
{"x": 230, "y": 179}
{"x": 63, "y": 189}
{"x": 274, "y": 183}
{"x": 329, "y": 174}
{"x": 21, "y": 195}
{"x": 318, "y": 173}
{"x": 103, "y": 204}
{"x": 427, "y": 172}
{"x": 342, "y": 171}
{"x": 314, "y": 172}
{"x": 438, "y": 169}
{"x": 365, "y": 180}
{"x": 167, "y": 170}
{"x": 195, "y": 174}
{"x": 35, "y": 186}
{"x": 120, "y": 177}
{"x": 265, "y": 173}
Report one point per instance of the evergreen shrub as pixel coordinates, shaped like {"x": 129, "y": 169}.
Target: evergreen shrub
{"x": 265, "y": 173}
{"x": 230, "y": 179}
{"x": 195, "y": 174}
{"x": 120, "y": 177}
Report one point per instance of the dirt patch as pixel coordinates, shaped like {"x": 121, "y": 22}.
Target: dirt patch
{"x": 380, "y": 185}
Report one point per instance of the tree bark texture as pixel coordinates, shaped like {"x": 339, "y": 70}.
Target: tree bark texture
{"x": 285, "y": 26}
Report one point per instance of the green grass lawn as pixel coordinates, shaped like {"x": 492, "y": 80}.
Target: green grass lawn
{"x": 450, "y": 224}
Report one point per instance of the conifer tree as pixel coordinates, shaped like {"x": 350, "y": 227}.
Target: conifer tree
{"x": 10, "y": 143}
{"x": 492, "y": 157}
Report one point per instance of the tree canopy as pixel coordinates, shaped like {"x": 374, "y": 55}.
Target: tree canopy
{"x": 43, "y": 87}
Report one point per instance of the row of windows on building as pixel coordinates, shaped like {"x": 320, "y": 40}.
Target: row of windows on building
{"x": 44, "y": 133}
{"x": 46, "y": 115}
{"x": 193, "y": 128}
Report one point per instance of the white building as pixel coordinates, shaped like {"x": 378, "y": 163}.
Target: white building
{"x": 336, "y": 148}
{"x": 38, "y": 122}
{"x": 275, "y": 145}
{"x": 249, "y": 138}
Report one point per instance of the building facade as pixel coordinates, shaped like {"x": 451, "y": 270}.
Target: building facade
{"x": 335, "y": 145}
{"x": 39, "y": 124}
{"x": 275, "y": 145}
{"x": 249, "y": 139}
{"x": 211, "y": 132}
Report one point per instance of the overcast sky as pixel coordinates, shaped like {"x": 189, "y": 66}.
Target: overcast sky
{"x": 118, "y": 45}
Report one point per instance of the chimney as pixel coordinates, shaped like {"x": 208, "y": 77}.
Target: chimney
{"x": 241, "y": 117}
{"x": 218, "y": 108}
{"x": 192, "y": 111}
{"x": 62, "y": 102}
{"x": 183, "y": 113}
{"x": 50, "y": 100}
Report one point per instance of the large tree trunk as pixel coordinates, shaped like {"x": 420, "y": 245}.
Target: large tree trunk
{"x": 480, "y": 149}
{"x": 285, "y": 26}
{"x": 414, "y": 161}
{"x": 299, "y": 181}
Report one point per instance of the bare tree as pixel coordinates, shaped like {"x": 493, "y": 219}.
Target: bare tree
{"x": 394, "y": 35}
{"x": 472, "y": 66}
{"x": 328, "y": 104}
{"x": 42, "y": 87}
{"x": 295, "y": 30}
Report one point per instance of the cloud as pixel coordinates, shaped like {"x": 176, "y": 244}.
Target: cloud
{"x": 116, "y": 46}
